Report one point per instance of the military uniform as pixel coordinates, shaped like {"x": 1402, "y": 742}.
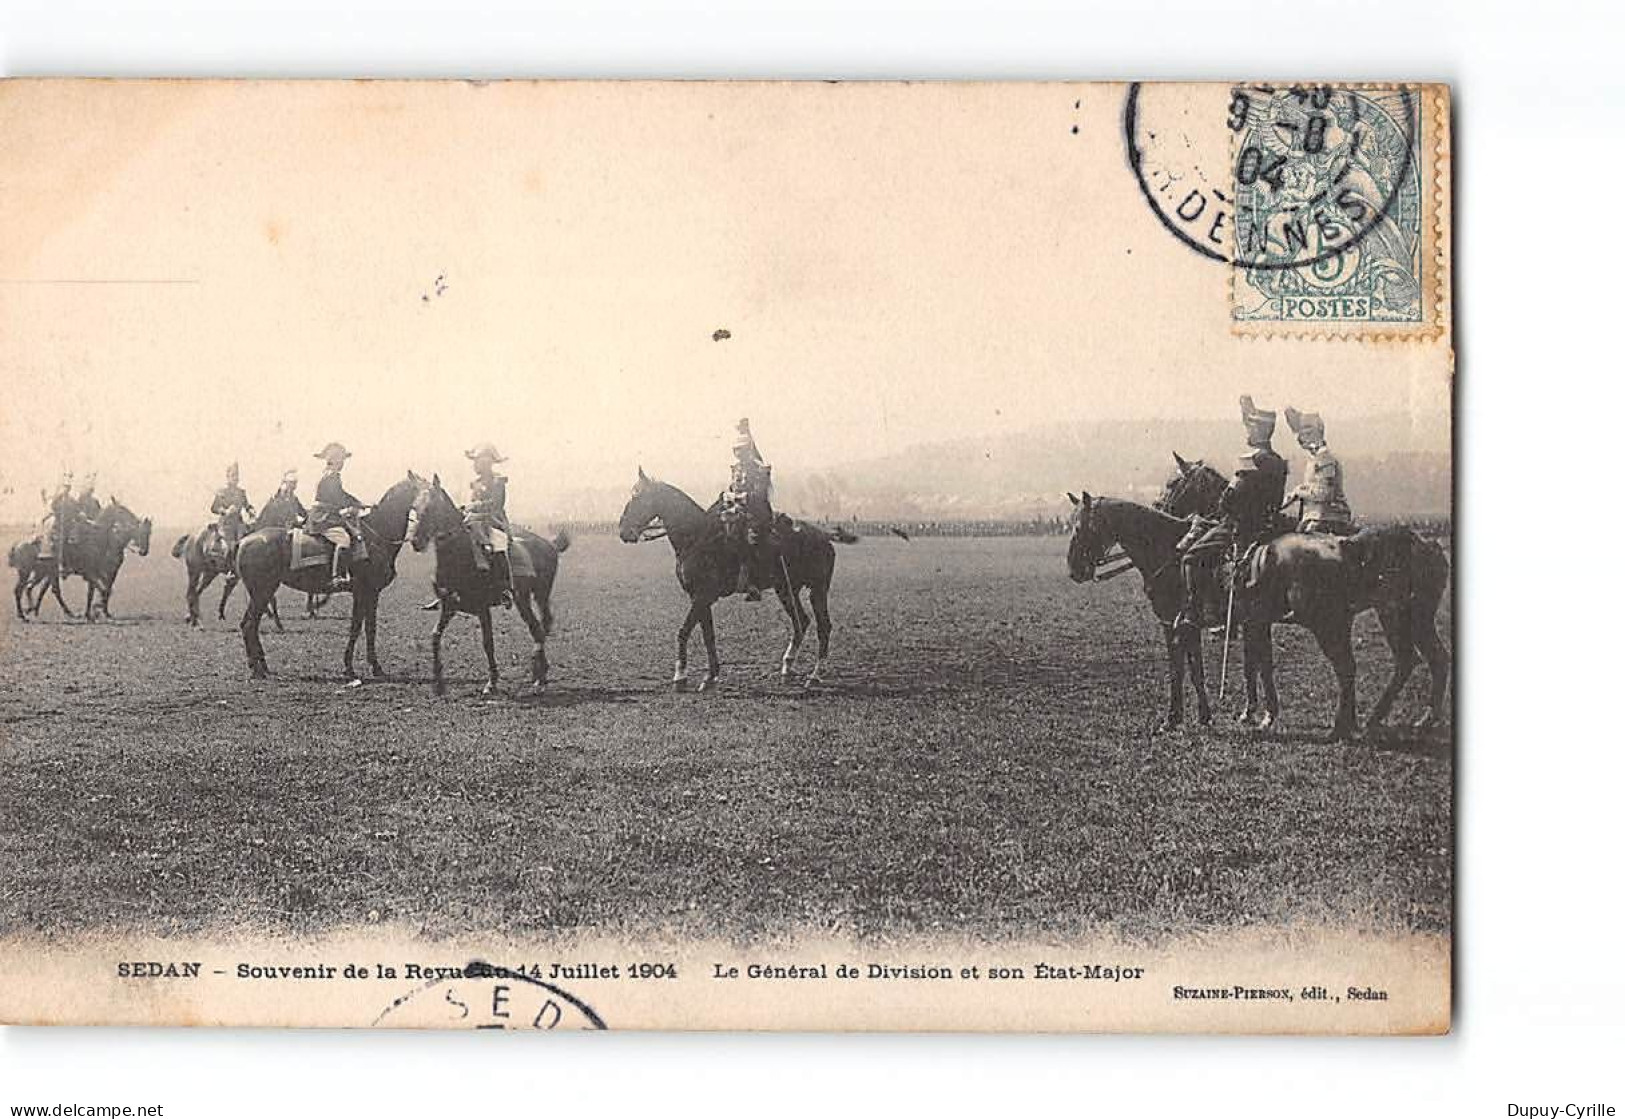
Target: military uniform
{"x": 284, "y": 509}
{"x": 1247, "y": 510}
{"x": 748, "y": 511}
{"x": 486, "y": 515}
{"x": 58, "y": 522}
{"x": 1324, "y": 505}
{"x": 331, "y": 510}
{"x": 231, "y": 509}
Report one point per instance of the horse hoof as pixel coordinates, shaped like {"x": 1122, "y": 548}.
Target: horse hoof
{"x": 1345, "y": 734}
{"x": 258, "y": 673}
{"x": 377, "y": 670}
{"x": 1266, "y": 721}
{"x": 707, "y": 684}
{"x": 1167, "y": 726}
{"x": 439, "y": 687}
{"x": 1205, "y": 718}
{"x": 680, "y": 684}
{"x": 1246, "y": 715}
{"x": 1427, "y": 720}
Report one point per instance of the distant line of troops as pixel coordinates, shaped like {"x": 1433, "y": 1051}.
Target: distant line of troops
{"x": 1248, "y": 511}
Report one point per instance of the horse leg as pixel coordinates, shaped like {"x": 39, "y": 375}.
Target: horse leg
{"x": 708, "y": 627}
{"x": 1248, "y": 715}
{"x": 250, "y": 627}
{"x": 679, "y": 678}
{"x": 194, "y": 595}
{"x": 56, "y": 592}
{"x": 1198, "y": 675}
{"x": 488, "y": 642}
{"x": 447, "y": 613}
{"x": 90, "y": 599}
{"x": 357, "y": 615}
{"x": 1264, "y": 653}
{"x": 1426, "y": 638}
{"x": 791, "y": 601}
{"x": 231, "y": 585}
{"x": 18, "y": 592}
{"x": 1334, "y": 639}
{"x": 538, "y": 635}
{"x": 1175, "y": 641}
{"x": 818, "y": 593}
{"x": 373, "y": 664}
{"x": 1396, "y": 629}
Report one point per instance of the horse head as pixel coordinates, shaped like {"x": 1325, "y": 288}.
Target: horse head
{"x": 389, "y": 518}
{"x": 125, "y": 528}
{"x": 642, "y": 508}
{"x": 1194, "y": 490}
{"x": 435, "y": 514}
{"x": 1090, "y": 539}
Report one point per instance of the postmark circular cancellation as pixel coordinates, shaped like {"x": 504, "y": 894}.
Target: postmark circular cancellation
{"x": 481, "y": 996}
{"x": 1316, "y": 196}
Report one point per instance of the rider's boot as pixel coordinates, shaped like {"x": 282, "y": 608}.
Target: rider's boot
{"x": 1191, "y": 613}
{"x": 337, "y": 582}
{"x": 504, "y": 579}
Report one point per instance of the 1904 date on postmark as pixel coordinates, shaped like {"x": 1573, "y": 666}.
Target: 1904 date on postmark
{"x": 1319, "y": 198}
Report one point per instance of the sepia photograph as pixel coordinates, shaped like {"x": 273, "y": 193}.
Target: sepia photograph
{"x": 728, "y": 555}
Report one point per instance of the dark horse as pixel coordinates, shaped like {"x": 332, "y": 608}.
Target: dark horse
{"x": 265, "y": 562}
{"x": 1147, "y": 537}
{"x": 463, "y": 588}
{"x": 95, "y": 553}
{"x": 204, "y": 563}
{"x": 1321, "y": 583}
{"x": 804, "y": 558}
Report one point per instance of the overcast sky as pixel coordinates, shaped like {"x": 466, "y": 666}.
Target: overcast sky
{"x": 894, "y": 265}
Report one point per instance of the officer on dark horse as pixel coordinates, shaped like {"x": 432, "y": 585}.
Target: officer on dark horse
{"x": 95, "y": 552}
{"x": 747, "y": 513}
{"x": 1248, "y": 511}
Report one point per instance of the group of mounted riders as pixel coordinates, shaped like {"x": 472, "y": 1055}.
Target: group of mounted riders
{"x": 1255, "y": 504}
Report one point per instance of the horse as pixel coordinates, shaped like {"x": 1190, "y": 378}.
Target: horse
{"x": 204, "y": 564}
{"x": 265, "y": 562}
{"x": 462, "y": 587}
{"x": 1148, "y": 538}
{"x": 95, "y": 553}
{"x": 1322, "y": 583}
{"x": 706, "y": 570}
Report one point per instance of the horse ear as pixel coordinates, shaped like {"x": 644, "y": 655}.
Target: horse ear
{"x": 412, "y": 476}
{"x": 1184, "y": 467}
{"x": 1085, "y": 500}
{"x": 642, "y": 477}
{"x": 1072, "y": 497}
{"x": 436, "y": 479}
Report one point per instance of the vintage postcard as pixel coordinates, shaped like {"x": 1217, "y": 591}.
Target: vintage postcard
{"x": 640, "y": 555}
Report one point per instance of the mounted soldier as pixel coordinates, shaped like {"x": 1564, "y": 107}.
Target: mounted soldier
{"x": 89, "y": 506}
{"x": 1323, "y": 505}
{"x": 232, "y": 512}
{"x": 284, "y": 509}
{"x": 486, "y": 516}
{"x": 747, "y": 512}
{"x": 58, "y": 523}
{"x": 333, "y": 513}
{"x": 1248, "y": 510}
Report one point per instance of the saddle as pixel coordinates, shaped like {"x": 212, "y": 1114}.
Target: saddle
{"x": 308, "y": 550}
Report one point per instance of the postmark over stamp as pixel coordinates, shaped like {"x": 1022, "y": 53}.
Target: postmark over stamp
{"x": 1320, "y": 198}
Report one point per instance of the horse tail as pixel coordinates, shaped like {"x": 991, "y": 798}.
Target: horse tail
{"x": 16, "y": 557}
{"x": 179, "y": 549}
{"x": 561, "y": 542}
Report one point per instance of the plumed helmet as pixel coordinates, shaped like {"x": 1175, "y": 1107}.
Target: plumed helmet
{"x": 742, "y": 436}
{"x": 1260, "y": 424}
{"x": 485, "y": 450}
{"x": 231, "y": 470}
{"x": 90, "y": 480}
{"x": 332, "y": 451}
{"x": 1306, "y": 425}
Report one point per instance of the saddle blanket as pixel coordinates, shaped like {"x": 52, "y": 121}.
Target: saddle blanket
{"x": 309, "y": 551}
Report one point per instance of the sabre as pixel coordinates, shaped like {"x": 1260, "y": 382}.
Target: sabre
{"x": 1224, "y": 658}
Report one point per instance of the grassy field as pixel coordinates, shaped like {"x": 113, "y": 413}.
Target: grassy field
{"x": 979, "y": 761}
